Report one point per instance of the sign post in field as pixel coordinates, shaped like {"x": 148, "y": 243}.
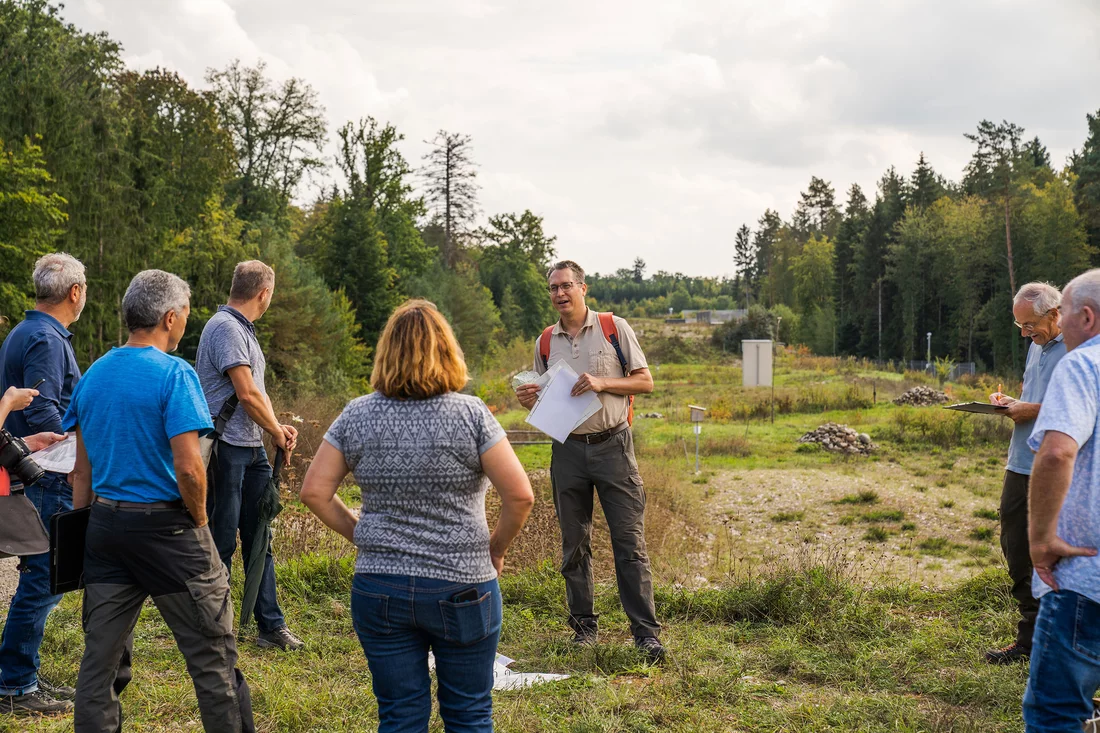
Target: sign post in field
{"x": 697, "y": 415}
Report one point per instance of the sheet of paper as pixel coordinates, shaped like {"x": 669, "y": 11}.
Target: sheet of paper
{"x": 59, "y": 457}
{"x": 985, "y": 408}
{"x": 557, "y": 412}
{"x": 506, "y": 679}
{"x": 530, "y": 378}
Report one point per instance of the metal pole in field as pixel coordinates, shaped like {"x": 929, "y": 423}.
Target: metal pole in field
{"x": 698, "y": 429}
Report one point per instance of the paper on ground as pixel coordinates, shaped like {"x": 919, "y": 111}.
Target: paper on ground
{"x": 557, "y": 412}
{"x": 59, "y": 457}
{"x": 506, "y": 679}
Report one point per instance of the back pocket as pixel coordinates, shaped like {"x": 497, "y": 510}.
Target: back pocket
{"x": 468, "y": 622}
{"x": 209, "y": 593}
{"x": 370, "y": 613}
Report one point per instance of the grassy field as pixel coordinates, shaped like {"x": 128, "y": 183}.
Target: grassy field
{"x": 800, "y": 590}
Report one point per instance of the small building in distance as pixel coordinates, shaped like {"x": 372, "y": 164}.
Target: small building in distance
{"x": 714, "y": 317}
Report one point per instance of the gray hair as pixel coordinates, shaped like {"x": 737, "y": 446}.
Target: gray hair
{"x": 1042, "y": 296}
{"x": 249, "y": 278}
{"x": 55, "y": 275}
{"x": 567, "y": 265}
{"x": 1084, "y": 290}
{"x": 152, "y": 294}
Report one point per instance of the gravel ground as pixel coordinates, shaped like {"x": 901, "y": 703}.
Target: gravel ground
{"x": 9, "y": 578}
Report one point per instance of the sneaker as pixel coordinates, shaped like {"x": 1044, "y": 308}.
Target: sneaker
{"x": 651, "y": 647}
{"x": 1009, "y": 655}
{"x": 279, "y": 638}
{"x": 586, "y": 631}
{"x": 61, "y": 692}
{"x": 38, "y": 702}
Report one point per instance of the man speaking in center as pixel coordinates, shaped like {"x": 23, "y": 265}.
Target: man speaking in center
{"x": 604, "y": 351}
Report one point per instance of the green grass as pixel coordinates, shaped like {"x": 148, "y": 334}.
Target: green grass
{"x": 876, "y": 534}
{"x": 802, "y": 642}
{"x": 866, "y": 496}
{"x": 883, "y": 515}
{"x": 991, "y": 514}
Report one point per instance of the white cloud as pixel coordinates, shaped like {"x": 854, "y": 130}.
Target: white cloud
{"x": 655, "y": 129}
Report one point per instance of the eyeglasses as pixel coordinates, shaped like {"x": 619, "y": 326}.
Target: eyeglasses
{"x": 564, "y": 287}
{"x": 1031, "y": 326}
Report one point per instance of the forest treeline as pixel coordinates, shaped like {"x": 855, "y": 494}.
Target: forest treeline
{"x": 129, "y": 170}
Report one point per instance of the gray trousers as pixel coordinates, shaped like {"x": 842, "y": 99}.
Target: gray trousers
{"x": 131, "y": 555}
{"x": 610, "y": 469}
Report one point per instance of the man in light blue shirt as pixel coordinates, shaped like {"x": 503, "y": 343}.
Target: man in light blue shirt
{"x": 1035, "y": 313}
{"x": 1064, "y": 524}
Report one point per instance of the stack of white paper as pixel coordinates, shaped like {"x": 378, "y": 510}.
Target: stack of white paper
{"x": 59, "y": 457}
{"x": 557, "y": 412}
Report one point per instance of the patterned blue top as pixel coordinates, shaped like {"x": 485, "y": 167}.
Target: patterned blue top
{"x": 1041, "y": 361}
{"x": 1072, "y": 406}
{"x": 418, "y": 463}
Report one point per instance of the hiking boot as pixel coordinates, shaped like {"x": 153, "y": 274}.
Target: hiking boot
{"x": 1009, "y": 655}
{"x": 61, "y": 692}
{"x": 651, "y": 647}
{"x": 38, "y": 702}
{"x": 586, "y": 631}
{"x": 280, "y": 639}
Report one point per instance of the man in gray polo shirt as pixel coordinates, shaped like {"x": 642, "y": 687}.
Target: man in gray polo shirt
{"x": 600, "y": 456}
{"x": 1035, "y": 311}
{"x": 230, "y": 362}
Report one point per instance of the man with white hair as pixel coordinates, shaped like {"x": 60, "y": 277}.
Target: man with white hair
{"x": 1035, "y": 313}
{"x": 138, "y": 415}
{"x": 1064, "y": 525}
{"x": 38, "y": 354}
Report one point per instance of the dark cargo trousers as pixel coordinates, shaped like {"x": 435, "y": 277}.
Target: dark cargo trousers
{"x": 610, "y": 468}
{"x": 1017, "y": 550}
{"x": 132, "y": 554}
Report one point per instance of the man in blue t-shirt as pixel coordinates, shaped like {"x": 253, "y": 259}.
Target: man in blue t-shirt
{"x": 138, "y": 414}
{"x": 1064, "y": 524}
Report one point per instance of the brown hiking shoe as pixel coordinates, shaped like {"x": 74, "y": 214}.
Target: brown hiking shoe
{"x": 38, "y": 702}
{"x": 279, "y": 639}
{"x": 1009, "y": 655}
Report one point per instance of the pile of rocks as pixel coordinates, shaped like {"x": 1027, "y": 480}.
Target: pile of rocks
{"x": 651, "y": 415}
{"x": 840, "y": 439}
{"x": 921, "y": 397}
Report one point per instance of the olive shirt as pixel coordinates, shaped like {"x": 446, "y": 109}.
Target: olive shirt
{"x": 591, "y": 352}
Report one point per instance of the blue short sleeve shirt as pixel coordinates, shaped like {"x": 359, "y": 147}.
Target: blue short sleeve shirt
{"x": 1072, "y": 406}
{"x": 129, "y": 406}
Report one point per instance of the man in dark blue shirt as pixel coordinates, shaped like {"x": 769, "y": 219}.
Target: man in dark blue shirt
{"x": 38, "y": 354}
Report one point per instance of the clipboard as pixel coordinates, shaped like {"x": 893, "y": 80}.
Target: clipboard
{"x": 984, "y": 408}
{"x": 68, "y": 531}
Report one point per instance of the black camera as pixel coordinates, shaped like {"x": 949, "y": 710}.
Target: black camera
{"x": 15, "y": 456}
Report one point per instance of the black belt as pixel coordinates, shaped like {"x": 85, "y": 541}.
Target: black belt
{"x": 593, "y": 438}
{"x": 141, "y": 506}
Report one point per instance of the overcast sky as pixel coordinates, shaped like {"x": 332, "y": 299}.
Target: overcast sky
{"x": 655, "y": 129}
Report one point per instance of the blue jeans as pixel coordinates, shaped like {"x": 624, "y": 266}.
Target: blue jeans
{"x": 398, "y": 618}
{"x": 240, "y": 476}
{"x": 33, "y": 601}
{"x": 1065, "y": 663}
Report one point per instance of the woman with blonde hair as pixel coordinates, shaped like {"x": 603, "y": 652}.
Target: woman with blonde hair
{"x": 426, "y": 572}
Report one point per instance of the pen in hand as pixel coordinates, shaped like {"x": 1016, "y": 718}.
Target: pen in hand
{"x": 39, "y": 383}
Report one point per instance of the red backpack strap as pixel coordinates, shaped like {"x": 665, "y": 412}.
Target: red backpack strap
{"x": 607, "y": 325}
{"x": 544, "y": 346}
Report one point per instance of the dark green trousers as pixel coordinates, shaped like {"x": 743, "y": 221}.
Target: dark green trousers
{"x": 609, "y": 469}
{"x": 1017, "y": 552}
